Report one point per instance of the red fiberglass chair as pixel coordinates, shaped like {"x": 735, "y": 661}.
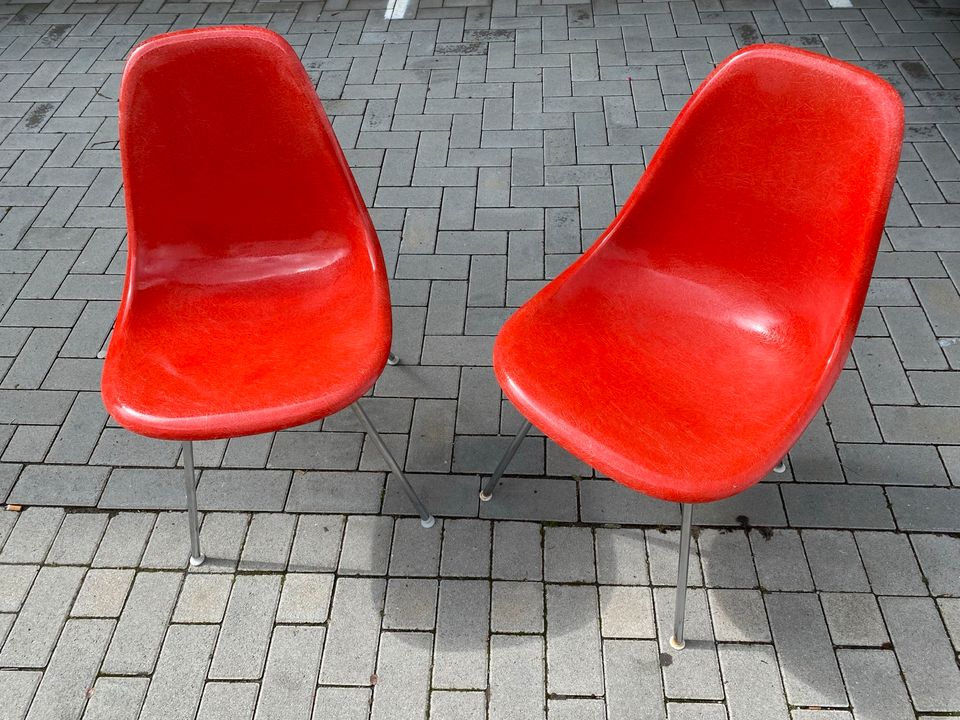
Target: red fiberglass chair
{"x": 255, "y": 296}
{"x": 686, "y": 351}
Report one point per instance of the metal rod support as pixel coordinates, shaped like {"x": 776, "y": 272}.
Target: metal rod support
{"x": 190, "y": 484}
{"x": 486, "y": 492}
{"x": 676, "y": 641}
{"x": 426, "y": 519}
{"x": 393, "y": 359}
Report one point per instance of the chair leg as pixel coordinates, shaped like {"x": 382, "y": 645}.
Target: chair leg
{"x": 486, "y": 492}
{"x": 781, "y": 466}
{"x": 190, "y": 482}
{"x": 676, "y": 640}
{"x": 393, "y": 360}
{"x": 426, "y": 519}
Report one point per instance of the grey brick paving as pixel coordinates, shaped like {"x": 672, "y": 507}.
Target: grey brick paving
{"x": 493, "y": 141}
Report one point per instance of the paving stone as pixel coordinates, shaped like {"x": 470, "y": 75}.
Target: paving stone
{"x": 568, "y": 554}
{"x": 342, "y": 703}
{"x": 290, "y": 678}
{"x": 411, "y": 604}
{"x": 17, "y": 687}
{"x": 939, "y": 556}
{"x": 926, "y": 509}
{"x": 350, "y": 650}
{"x": 892, "y": 464}
{"x": 228, "y": 701}
{"x": 853, "y": 619}
{"x": 463, "y": 622}
{"x": 335, "y": 492}
{"x": 466, "y": 548}
{"x": 221, "y": 539}
{"x": 834, "y": 560}
{"x": 692, "y": 673}
{"x": 140, "y": 630}
{"x": 72, "y": 669}
{"x": 752, "y": 682}
{"x": 305, "y": 598}
{"x": 704, "y": 711}
{"x": 517, "y": 607}
{"x": 891, "y": 564}
{"x": 573, "y": 641}
{"x": 836, "y": 507}
{"x": 116, "y": 698}
{"x": 517, "y": 551}
{"x": 245, "y": 632}
{"x": 780, "y": 561}
{"x": 533, "y": 499}
{"x": 78, "y": 539}
{"x": 366, "y": 545}
{"x": 626, "y": 612}
{"x": 632, "y": 679}
{"x": 739, "y": 616}
{"x": 32, "y": 536}
{"x": 268, "y": 542}
{"x": 203, "y": 599}
{"x": 604, "y": 501}
{"x": 59, "y": 485}
{"x": 811, "y": 676}
{"x": 264, "y": 490}
{"x": 316, "y": 545}
{"x": 169, "y": 545}
{"x": 103, "y": 593}
{"x": 516, "y": 676}
{"x": 663, "y": 549}
{"x": 575, "y": 709}
{"x": 416, "y": 550}
{"x": 403, "y": 675}
{"x": 31, "y": 640}
{"x": 177, "y": 683}
{"x": 875, "y": 685}
{"x": 621, "y": 556}
{"x": 924, "y": 652}
{"x": 17, "y": 580}
{"x": 124, "y": 540}
{"x": 726, "y": 558}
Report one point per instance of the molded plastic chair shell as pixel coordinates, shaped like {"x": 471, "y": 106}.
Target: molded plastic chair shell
{"x": 685, "y": 352}
{"x": 255, "y": 295}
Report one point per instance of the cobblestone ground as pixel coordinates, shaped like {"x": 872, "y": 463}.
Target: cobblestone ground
{"x": 493, "y": 142}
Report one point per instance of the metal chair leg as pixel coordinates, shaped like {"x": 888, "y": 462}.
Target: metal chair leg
{"x": 676, "y": 640}
{"x": 190, "y": 483}
{"x": 393, "y": 360}
{"x": 426, "y": 519}
{"x": 486, "y": 492}
{"x": 781, "y": 467}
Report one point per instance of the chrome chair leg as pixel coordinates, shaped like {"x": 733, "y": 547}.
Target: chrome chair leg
{"x": 393, "y": 360}
{"x": 486, "y": 492}
{"x": 676, "y": 640}
{"x": 781, "y": 467}
{"x": 426, "y": 519}
{"x": 190, "y": 483}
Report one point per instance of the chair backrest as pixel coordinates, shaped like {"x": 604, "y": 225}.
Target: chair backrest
{"x": 231, "y": 169}
{"x": 773, "y": 185}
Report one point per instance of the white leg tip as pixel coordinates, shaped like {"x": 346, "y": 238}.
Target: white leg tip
{"x": 780, "y": 468}
{"x": 428, "y": 523}
{"x": 393, "y": 360}
{"x": 677, "y": 644}
{"x": 485, "y": 497}
{"x": 197, "y": 561}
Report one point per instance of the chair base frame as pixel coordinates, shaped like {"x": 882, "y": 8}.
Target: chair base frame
{"x": 197, "y": 557}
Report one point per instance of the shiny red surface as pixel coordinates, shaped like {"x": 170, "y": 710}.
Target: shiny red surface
{"x": 255, "y": 295}
{"x": 684, "y": 353}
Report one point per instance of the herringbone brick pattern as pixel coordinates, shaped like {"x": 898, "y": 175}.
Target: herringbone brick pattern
{"x": 492, "y": 141}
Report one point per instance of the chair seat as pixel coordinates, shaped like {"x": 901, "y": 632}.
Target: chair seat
{"x": 203, "y": 361}
{"x": 665, "y": 381}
